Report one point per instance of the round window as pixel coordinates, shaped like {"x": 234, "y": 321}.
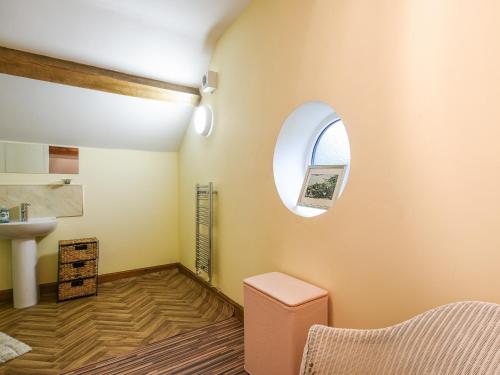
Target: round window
{"x": 312, "y": 143}
{"x": 332, "y": 148}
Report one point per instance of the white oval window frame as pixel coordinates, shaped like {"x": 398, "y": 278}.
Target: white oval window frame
{"x": 293, "y": 151}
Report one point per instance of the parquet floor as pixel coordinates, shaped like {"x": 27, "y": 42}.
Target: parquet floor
{"x": 212, "y": 350}
{"x": 127, "y": 314}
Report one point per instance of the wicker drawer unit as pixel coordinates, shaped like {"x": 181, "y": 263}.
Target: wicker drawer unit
{"x": 78, "y": 261}
{"x": 74, "y": 252}
{"x": 77, "y": 270}
{"x": 77, "y": 288}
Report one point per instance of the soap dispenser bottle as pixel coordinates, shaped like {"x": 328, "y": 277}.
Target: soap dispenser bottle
{"x": 4, "y": 215}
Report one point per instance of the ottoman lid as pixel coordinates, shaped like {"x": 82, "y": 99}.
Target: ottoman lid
{"x": 285, "y": 289}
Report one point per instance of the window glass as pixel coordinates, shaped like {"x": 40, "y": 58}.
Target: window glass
{"x": 332, "y": 146}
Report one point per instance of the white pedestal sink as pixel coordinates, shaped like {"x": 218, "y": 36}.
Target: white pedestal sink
{"x": 24, "y": 257}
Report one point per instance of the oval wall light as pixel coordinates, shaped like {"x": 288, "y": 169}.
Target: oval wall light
{"x": 203, "y": 120}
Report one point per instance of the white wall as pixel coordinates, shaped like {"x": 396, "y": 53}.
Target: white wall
{"x": 130, "y": 205}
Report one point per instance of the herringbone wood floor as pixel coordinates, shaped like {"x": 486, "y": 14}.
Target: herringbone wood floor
{"x": 127, "y": 314}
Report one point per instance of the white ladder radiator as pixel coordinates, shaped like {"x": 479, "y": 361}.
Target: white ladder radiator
{"x": 204, "y": 230}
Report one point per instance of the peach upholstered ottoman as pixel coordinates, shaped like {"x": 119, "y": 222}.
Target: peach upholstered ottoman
{"x": 279, "y": 310}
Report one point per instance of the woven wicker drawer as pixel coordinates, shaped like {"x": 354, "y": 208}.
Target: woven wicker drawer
{"x": 78, "y": 252}
{"x": 77, "y": 270}
{"x": 77, "y": 288}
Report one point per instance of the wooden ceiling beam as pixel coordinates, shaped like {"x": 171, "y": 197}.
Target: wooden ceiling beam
{"x": 49, "y": 69}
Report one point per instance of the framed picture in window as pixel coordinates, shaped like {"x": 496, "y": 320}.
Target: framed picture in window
{"x": 321, "y": 186}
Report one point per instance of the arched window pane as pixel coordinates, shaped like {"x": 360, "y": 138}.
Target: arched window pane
{"x": 332, "y": 146}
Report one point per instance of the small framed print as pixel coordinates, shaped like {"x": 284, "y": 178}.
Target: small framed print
{"x": 321, "y": 186}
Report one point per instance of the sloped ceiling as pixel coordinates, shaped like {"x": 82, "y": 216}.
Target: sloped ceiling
{"x": 168, "y": 40}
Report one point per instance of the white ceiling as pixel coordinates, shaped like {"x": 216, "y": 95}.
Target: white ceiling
{"x": 37, "y": 111}
{"x": 169, "y": 40}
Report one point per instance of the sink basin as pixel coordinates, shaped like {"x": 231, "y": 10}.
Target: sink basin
{"x": 24, "y": 257}
{"x": 30, "y": 229}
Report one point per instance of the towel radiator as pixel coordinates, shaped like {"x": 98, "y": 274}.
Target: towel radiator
{"x": 204, "y": 230}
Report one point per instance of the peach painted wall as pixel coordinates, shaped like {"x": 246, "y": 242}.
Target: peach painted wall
{"x": 418, "y": 86}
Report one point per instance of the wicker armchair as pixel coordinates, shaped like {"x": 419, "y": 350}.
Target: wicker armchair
{"x": 457, "y": 339}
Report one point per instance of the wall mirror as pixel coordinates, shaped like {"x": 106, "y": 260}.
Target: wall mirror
{"x": 64, "y": 160}
{"x": 16, "y": 157}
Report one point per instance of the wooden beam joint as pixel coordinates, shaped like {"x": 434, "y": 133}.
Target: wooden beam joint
{"x": 49, "y": 69}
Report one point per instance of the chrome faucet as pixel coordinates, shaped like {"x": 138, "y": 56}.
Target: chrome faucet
{"x": 24, "y": 211}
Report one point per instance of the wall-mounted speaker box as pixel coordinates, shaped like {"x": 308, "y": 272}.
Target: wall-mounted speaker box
{"x": 209, "y": 82}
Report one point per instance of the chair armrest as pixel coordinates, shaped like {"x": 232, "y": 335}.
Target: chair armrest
{"x": 344, "y": 351}
{"x": 458, "y": 338}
